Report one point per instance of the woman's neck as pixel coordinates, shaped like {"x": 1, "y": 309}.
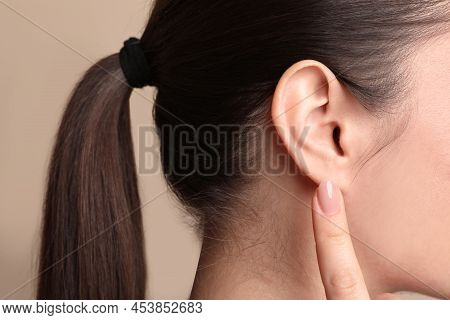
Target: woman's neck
{"x": 273, "y": 259}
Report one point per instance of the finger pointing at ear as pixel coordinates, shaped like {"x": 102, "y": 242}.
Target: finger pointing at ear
{"x": 339, "y": 267}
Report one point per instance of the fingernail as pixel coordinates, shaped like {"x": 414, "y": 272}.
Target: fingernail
{"x": 328, "y": 197}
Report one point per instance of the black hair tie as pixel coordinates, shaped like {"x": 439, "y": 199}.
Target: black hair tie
{"x": 134, "y": 64}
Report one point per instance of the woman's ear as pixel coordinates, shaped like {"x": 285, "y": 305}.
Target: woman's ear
{"x": 324, "y": 128}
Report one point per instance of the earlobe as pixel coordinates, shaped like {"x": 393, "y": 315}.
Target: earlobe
{"x": 316, "y": 117}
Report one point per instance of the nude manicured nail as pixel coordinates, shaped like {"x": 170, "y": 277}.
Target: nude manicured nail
{"x": 328, "y": 197}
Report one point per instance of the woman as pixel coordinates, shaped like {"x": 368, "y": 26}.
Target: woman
{"x": 354, "y": 92}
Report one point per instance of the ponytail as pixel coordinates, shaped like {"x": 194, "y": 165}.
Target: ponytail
{"x": 92, "y": 237}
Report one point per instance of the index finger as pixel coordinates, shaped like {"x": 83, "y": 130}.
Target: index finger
{"x": 339, "y": 268}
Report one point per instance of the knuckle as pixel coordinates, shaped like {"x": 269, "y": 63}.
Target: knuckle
{"x": 336, "y": 236}
{"x": 344, "y": 281}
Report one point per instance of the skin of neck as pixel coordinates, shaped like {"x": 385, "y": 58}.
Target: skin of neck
{"x": 269, "y": 256}
{"x": 266, "y": 249}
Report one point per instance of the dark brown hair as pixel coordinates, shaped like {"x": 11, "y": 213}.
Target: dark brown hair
{"x": 212, "y": 62}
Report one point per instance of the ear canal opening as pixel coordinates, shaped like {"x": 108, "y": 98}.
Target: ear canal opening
{"x": 336, "y": 139}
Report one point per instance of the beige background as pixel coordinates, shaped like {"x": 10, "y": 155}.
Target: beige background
{"x": 46, "y": 45}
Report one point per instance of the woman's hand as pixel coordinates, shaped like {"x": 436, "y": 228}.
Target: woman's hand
{"x": 339, "y": 267}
